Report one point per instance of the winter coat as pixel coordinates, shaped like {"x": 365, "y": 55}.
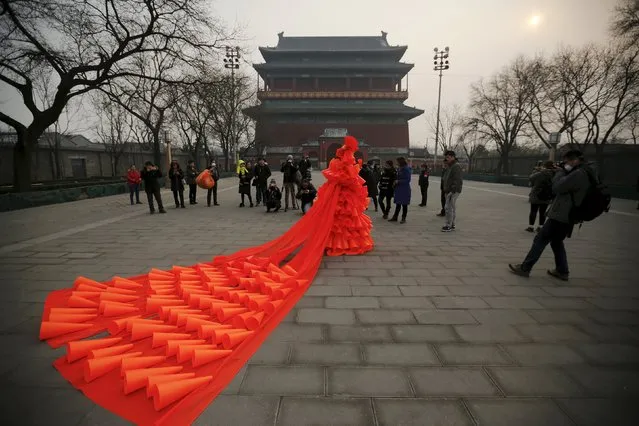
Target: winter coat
{"x": 387, "y": 180}
{"x": 289, "y": 170}
{"x": 307, "y": 197}
{"x": 215, "y": 174}
{"x": 133, "y": 177}
{"x": 262, "y": 173}
{"x": 541, "y": 187}
{"x": 176, "y": 177}
{"x": 402, "y": 186}
{"x": 191, "y": 174}
{"x": 453, "y": 178}
{"x": 568, "y": 186}
{"x": 371, "y": 183}
{"x": 245, "y": 183}
{"x": 273, "y": 196}
{"x": 305, "y": 168}
{"x": 423, "y": 177}
{"x": 151, "y": 179}
{"x": 377, "y": 172}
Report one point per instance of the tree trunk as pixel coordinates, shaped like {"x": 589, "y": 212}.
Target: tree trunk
{"x": 22, "y": 163}
{"x": 503, "y": 160}
{"x": 157, "y": 154}
{"x": 56, "y": 157}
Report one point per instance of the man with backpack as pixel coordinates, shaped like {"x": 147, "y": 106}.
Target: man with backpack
{"x": 578, "y": 197}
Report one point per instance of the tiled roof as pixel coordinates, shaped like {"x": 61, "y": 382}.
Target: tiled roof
{"x": 332, "y": 43}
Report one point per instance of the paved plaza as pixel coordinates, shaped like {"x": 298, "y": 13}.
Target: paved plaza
{"x": 428, "y": 329}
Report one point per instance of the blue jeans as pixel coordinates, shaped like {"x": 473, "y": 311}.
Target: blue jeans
{"x": 553, "y": 233}
{"x": 134, "y": 188}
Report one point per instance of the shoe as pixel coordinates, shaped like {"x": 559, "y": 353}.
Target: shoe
{"x": 538, "y": 229}
{"x": 183, "y": 206}
{"x": 392, "y": 219}
{"x": 422, "y": 205}
{"x": 441, "y": 214}
{"x": 285, "y": 209}
{"x": 208, "y": 205}
{"x": 516, "y": 269}
{"x": 452, "y": 227}
{"x": 530, "y": 229}
{"x": 139, "y": 202}
{"x": 554, "y": 273}
{"x": 447, "y": 228}
{"x": 177, "y": 206}
{"x": 251, "y": 206}
{"x": 385, "y": 216}
{"x": 242, "y": 205}
{"x": 257, "y": 204}
{"x": 402, "y": 221}
{"x": 216, "y": 204}
{"x": 152, "y": 211}
{"x": 162, "y": 211}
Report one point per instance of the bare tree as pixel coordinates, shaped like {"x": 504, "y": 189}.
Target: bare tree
{"x": 625, "y": 24}
{"x": 450, "y": 126}
{"x": 87, "y": 44}
{"x": 499, "y": 108}
{"x": 471, "y": 144}
{"x": 114, "y": 130}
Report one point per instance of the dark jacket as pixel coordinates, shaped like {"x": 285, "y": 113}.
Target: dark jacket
{"x": 453, "y": 178}
{"x": 307, "y": 197}
{"x": 377, "y": 172}
{"x": 402, "y": 187}
{"x": 541, "y": 187}
{"x": 305, "y": 168}
{"x": 423, "y": 177}
{"x": 568, "y": 186}
{"x": 151, "y": 179}
{"x": 191, "y": 174}
{"x": 370, "y": 181}
{"x": 273, "y": 196}
{"x": 245, "y": 182}
{"x": 215, "y": 174}
{"x": 262, "y": 173}
{"x": 289, "y": 170}
{"x": 176, "y": 177}
{"x": 387, "y": 181}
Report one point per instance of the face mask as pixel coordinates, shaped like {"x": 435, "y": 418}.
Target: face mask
{"x": 567, "y": 167}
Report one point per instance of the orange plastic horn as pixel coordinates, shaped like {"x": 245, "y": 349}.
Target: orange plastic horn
{"x": 231, "y": 340}
{"x": 137, "y": 379}
{"x": 50, "y": 329}
{"x": 160, "y": 339}
{"x": 81, "y": 302}
{"x": 98, "y": 367}
{"x": 253, "y": 322}
{"x": 140, "y": 362}
{"x": 205, "y": 356}
{"x": 110, "y": 351}
{"x": 167, "y": 393}
{"x": 81, "y": 348}
{"x": 163, "y": 378}
{"x": 140, "y": 330}
{"x": 71, "y": 317}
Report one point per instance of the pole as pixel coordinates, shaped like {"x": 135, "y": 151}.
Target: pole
{"x": 439, "y": 101}
{"x": 441, "y": 64}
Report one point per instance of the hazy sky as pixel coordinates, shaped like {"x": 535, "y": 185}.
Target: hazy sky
{"x": 483, "y": 36}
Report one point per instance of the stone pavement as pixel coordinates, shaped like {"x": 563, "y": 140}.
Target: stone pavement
{"x": 428, "y": 329}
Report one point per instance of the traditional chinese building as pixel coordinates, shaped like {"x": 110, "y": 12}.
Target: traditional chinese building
{"x": 315, "y": 90}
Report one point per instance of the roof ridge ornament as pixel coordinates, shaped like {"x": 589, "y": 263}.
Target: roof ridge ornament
{"x": 384, "y": 34}
{"x": 280, "y": 35}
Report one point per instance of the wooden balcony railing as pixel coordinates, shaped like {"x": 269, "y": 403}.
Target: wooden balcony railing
{"x": 269, "y": 95}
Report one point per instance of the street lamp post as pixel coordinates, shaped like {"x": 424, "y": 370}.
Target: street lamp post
{"x": 441, "y": 64}
{"x": 553, "y": 140}
{"x": 232, "y": 62}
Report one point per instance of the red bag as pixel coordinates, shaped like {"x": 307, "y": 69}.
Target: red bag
{"x": 205, "y": 180}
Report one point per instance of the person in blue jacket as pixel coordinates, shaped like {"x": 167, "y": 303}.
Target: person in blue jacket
{"x": 402, "y": 190}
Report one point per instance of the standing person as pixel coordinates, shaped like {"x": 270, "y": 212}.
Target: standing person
{"x": 442, "y": 197}
{"x": 423, "y": 184}
{"x": 402, "y": 190}
{"x": 452, "y": 188}
{"x": 133, "y": 179}
{"x": 261, "y": 172}
{"x": 386, "y": 187}
{"x": 215, "y": 174}
{"x": 176, "y": 175}
{"x": 540, "y": 194}
{"x": 370, "y": 183}
{"x": 289, "y": 170}
{"x": 245, "y": 176}
{"x": 306, "y": 195}
{"x": 638, "y": 191}
{"x": 191, "y": 174}
{"x": 151, "y": 175}
{"x": 273, "y": 197}
{"x": 377, "y": 172}
{"x": 305, "y": 167}
{"x": 570, "y": 185}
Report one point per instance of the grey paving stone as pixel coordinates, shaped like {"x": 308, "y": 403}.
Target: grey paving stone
{"x": 39, "y": 406}
{"x": 233, "y": 388}
{"x": 368, "y": 381}
{"x": 297, "y": 333}
{"x": 385, "y": 316}
{"x": 329, "y": 290}
{"x": 564, "y": 303}
{"x": 311, "y": 302}
{"x": 607, "y": 382}
{"x": 451, "y": 382}
{"x": 438, "y": 281}
{"x": 371, "y": 333}
{"x": 610, "y": 333}
{"x": 424, "y": 333}
{"x": 326, "y": 353}
{"x": 333, "y": 411}
{"x": 444, "y": 316}
{"x": 458, "y": 302}
{"x": 473, "y": 290}
{"x": 381, "y": 290}
{"x": 289, "y": 380}
{"x": 538, "y": 382}
{"x": 562, "y": 291}
{"x": 393, "y": 281}
{"x": 239, "y": 410}
{"x": 544, "y": 354}
{"x": 472, "y": 354}
{"x": 341, "y": 281}
{"x": 271, "y": 352}
{"x": 615, "y": 303}
{"x": 610, "y": 353}
{"x": 400, "y": 354}
{"x": 437, "y": 290}
{"x": 613, "y": 317}
{"x": 489, "y": 333}
{"x": 325, "y": 316}
{"x": 512, "y": 302}
{"x": 597, "y": 412}
{"x": 370, "y": 272}
{"x": 518, "y": 290}
{"x": 491, "y": 412}
{"x": 553, "y": 333}
{"x": 545, "y": 316}
{"x": 352, "y": 302}
{"x": 99, "y": 416}
{"x": 420, "y": 412}
{"x": 502, "y": 316}
{"x": 403, "y": 302}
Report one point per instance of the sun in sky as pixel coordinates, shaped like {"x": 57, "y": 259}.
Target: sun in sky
{"x": 534, "y": 20}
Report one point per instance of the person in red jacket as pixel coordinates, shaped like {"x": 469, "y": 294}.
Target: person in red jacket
{"x": 133, "y": 178}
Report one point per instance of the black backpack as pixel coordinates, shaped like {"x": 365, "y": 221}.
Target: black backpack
{"x": 545, "y": 190}
{"x": 596, "y": 201}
